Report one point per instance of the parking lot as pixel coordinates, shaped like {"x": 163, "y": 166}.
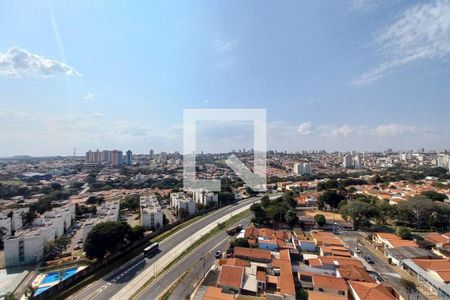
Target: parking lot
{"x": 76, "y": 233}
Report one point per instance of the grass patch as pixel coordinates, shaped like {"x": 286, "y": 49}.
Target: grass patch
{"x": 165, "y": 296}
{"x": 216, "y": 230}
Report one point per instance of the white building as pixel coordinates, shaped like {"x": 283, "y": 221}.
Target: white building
{"x": 5, "y": 224}
{"x": 302, "y": 168}
{"x": 107, "y": 211}
{"x": 443, "y": 161}
{"x": 347, "y": 161}
{"x": 204, "y": 198}
{"x": 357, "y": 162}
{"x": 151, "y": 213}
{"x": 11, "y": 220}
{"x": 179, "y": 201}
{"x": 27, "y": 245}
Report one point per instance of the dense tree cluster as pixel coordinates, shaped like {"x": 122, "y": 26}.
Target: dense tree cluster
{"x": 330, "y": 199}
{"x": 106, "y": 238}
{"x": 418, "y": 212}
{"x": 339, "y": 184}
{"x": 280, "y": 210}
{"x": 81, "y": 210}
{"x": 131, "y": 202}
{"x": 435, "y": 196}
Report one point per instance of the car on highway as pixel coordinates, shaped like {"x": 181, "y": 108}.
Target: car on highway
{"x": 218, "y": 254}
{"x": 369, "y": 259}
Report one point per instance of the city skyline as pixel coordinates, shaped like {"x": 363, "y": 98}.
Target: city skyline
{"x": 347, "y": 75}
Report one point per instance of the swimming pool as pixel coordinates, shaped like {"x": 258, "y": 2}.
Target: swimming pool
{"x": 55, "y": 276}
{"x": 40, "y": 290}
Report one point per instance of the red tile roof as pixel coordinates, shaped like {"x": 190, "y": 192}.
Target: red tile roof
{"x": 329, "y": 282}
{"x": 350, "y": 272}
{"x": 252, "y": 253}
{"x": 231, "y": 276}
{"x": 371, "y": 291}
{"x": 215, "y": 293}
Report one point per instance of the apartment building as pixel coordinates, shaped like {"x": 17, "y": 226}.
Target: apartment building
{"x": 151, "y": 213}
{"x": 27, "y": 244}
{"x": 25, "y": 247}
{"x": 180, "y": 201}
{"x": 205, "y": 198}
{"x": 5, "y": 225}
{"x": 107, "y": 211}
{"x": 302, "y": 169}
{"x": 11, "y": 220}
{"x": 114, "y": 157}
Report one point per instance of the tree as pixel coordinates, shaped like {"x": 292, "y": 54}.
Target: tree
{"x": 359, "y": 212}
{"x": 259, "y": 214}
{"x": 225, "y": 198}
{"x": 276, "y": 213}
{"x": 95, "y": 200}
{"x": 136, "y": 233}
{"x": 239, "y": 242}
{"x": 385, "y": 211}
{"x": 28, "y": 217}
{"x": 56, "y": 186}
{"x": 435, "y": 196}
{"x": 409, "y": 286}
{"x": 288, "y": 198}
{"x": 404, "y": 233}
{"x": 320, "y": 220}
{"x": 106, "y": 238}
{"x": 132, "y": 202}
{"x": 265, "y": 201}
{"x": 249, "y": 191}
{"x": 331, "y": 198}
{"x": 415, "y": 210}
{"x": 291, "y": 218}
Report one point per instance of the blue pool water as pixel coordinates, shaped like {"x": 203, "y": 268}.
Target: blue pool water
{"x": 55, "y": 276}
{"x": 40, "y": 290}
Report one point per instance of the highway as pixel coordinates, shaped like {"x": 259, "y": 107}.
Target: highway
{"x": 196, "y": 262}
{"x": 112, "y": 283}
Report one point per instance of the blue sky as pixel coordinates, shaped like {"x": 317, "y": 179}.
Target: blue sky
{"x": 335, "y": 75}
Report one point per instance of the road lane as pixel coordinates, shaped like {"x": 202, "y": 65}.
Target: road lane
{"x": 203, "y": 253}
{"x": 109, "y": 285}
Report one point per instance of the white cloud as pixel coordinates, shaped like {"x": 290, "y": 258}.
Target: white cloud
{"x": 393, "y": 129}
{"x": 94, "y": 130}
{"x": 17, "y": 61}
{"x": 305, "y": 128}
{"x": 342, "y": 131}
{"x": 224, "y": 50}
{"x": 224, "y": 47}
{"x": 422, "y": 32}
{"x": 89, "y": 97}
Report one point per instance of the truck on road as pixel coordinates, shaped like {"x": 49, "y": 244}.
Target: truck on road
{"x": 234, "y": 230}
